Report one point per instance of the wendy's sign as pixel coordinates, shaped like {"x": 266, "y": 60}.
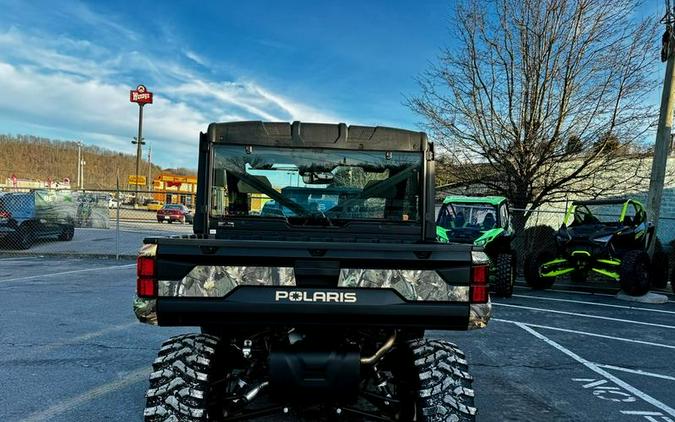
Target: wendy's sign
{"x": 141, "y": 95}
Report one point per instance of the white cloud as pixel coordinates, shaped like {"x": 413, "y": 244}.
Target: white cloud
{"x": 96, "y": 109}
{"x": 196, "y": 58}
{"x": 79, "y": 87}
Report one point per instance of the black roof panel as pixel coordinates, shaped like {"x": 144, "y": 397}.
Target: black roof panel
{"x": 317, "y": 135}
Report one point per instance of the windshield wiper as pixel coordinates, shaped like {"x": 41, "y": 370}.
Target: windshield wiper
{"x": 269, "y": 191}
{"x": 376, "y": 188}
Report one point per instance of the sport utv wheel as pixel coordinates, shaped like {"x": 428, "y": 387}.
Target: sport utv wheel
{"x": 635, "y": 273}
{"x": 533, "y": 277}
{"x": 505, "y": 275}
{"x": 179, "y": 383}
{"x": 444, "y": 390}
{"x": 658, "y": 270}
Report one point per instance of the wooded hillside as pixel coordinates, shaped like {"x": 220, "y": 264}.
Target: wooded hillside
{"x": 32, "y": 157}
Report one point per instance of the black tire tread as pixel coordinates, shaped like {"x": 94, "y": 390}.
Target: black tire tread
{"x": 504, "y": 275}
{"x": 180, "y": 379}
{"x": 445, "y": 392}
{"x": 633, "y": 282}
{"x": 532, "y": 277}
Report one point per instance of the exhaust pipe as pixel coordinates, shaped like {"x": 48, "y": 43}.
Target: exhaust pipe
{"x": 251, "y": 394}
{"x": 381, "y": 351}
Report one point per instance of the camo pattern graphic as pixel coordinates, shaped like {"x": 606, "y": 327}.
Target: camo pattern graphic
{"x": 146, "y": 310}
{"x": 217, "y": 280}
{"x": 479, "y": 315}
{"x": 420, "y": 285}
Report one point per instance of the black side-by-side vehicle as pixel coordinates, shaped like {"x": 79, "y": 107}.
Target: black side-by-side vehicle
{"x": 313, "y": 272}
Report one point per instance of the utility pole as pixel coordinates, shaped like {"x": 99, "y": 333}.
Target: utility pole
{"x": 150, "y": 184}
{"x": 79, "y": 164}
{"x": 663, "y": 133}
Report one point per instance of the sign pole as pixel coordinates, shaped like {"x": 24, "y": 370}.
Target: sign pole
{"x": 140, "y": 96}
{"x": 139, "y": 143}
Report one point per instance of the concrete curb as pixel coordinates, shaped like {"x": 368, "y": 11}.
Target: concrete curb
{"x": 653, "y": 298}
{"x": 126, "y": 257}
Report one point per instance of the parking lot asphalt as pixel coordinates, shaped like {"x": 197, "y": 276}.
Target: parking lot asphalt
{"x": 71, "y": 349}
{"x": 104, "y": 242}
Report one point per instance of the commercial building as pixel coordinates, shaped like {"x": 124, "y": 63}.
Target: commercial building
{"x": 173, "y": 189}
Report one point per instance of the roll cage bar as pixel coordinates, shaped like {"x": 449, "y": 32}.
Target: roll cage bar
{"x": 582, "y": 206}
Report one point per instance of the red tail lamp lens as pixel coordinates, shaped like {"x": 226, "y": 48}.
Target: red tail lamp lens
{"x": 479, "y": 294}
{"x": 146, "y": 287}
{"x": 480, "y": 291}
{"x": 145, "y": 266}
{"x": 146, "y": 283}
{"x": 479, "y": 274}
{"x": 5, "y": 214}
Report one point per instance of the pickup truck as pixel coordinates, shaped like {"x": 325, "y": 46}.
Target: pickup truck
{"x": 26, "y": 217}
{"x": 312, "y": 312}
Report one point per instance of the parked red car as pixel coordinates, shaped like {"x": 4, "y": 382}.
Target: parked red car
{"x": 175, "y": 212}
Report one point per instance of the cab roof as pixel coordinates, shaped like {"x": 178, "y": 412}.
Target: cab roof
{"x": 461, "y": 199}
{"x": 317, "y": 135}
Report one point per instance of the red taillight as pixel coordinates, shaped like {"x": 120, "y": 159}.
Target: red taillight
{"x": 146, "y": 283}
{"x": 5, "y": 214}
{"x": 479, "y": 291}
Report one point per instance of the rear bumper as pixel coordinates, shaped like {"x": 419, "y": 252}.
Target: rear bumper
{"x": 256, "y": 306}
{"x": 171, "y": 218}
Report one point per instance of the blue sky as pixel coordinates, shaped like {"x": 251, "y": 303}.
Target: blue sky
{"x": 66, "y": 68}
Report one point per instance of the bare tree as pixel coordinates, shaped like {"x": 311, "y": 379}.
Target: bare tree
{"x": 537, "y": 95}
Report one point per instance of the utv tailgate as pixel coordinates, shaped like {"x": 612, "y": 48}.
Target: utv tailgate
{"x": 230, "y": 282}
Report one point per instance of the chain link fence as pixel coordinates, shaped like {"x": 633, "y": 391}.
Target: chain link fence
{"x": 111, "y": 223}
{"x": 115, "y": 222}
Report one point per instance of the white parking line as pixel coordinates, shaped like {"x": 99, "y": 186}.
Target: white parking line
{"x": 586, "y": 333}
{"x": 628, "y": 321}
{"x": 577, "y": 292}
{"x": 637, "y": 371}
{"x": 63, "y": 406}
{"x": 595, "y": 368}
{"x": 67, "y": 272}
{"x": 569, "y": 291}
{"x": 582, "y": 302}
